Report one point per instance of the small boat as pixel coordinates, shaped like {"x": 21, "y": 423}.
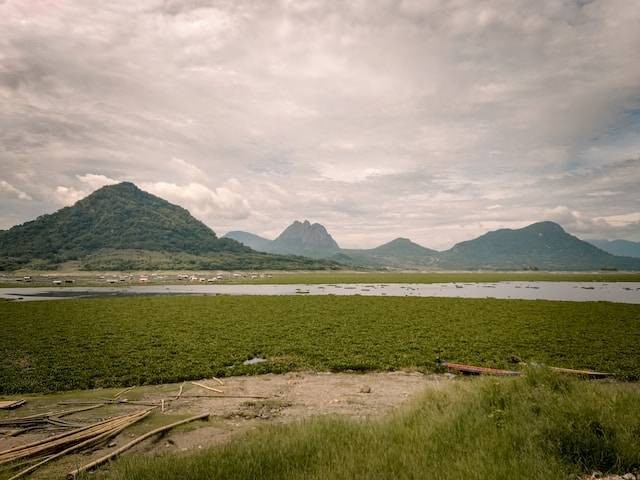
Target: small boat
{"x": 473, "y": 370}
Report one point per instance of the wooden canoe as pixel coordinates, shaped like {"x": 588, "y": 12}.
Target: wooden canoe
{"x": 472, "y": 369}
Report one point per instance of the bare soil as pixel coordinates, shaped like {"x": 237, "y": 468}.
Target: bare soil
{"x": 283, "y": 398}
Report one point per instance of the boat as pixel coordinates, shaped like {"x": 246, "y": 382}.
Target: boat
{"x": 474, "y": 370}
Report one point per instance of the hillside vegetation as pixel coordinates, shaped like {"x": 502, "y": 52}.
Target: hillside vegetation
{"x": 122, "y": 227}
{"x": 543, "y": 245}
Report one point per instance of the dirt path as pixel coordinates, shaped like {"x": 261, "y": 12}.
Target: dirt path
{"x": 284, "y": 398}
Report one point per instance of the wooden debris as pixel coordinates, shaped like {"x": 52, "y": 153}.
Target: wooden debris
{"x": 11, "y": 404}
{"x": 472, "y": 369}
{"x": 108, "y": 401}
{"x": 51, "y": 448}
{"x": 122, "y": 392}
{"x": 118, "y": 451}
{"x": 225, "y": 396}
{"x": 180, "y": 391}
{"x": 220, "y": 382}
{"x": 208, "y": 388}
{"x": 586, "y": 373}
{"x": 44, "y": 420}
{"x": 512, "y": 373}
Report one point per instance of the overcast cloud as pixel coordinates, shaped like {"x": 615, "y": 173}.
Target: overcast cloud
{"x": 434, "y": 120}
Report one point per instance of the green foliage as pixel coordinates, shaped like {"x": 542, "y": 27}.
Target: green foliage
{"x": 507, "y": 429}
{"x": 127, "y": 260}
{"x": 144, "y": 340}
{"x": 121, "y": 227}
{"x": 544, "y": 246}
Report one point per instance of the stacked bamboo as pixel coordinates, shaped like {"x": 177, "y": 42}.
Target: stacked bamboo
{"x": 49, "y": 449}
{"x": 110, "y": 456}
{"x": 48, "y": 420}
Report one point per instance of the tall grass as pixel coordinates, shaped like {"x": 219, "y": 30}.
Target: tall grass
{"x": 538, "y": 427}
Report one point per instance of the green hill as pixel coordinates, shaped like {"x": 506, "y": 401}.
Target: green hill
{"x": 399, "y": 253}
{"x": 626, "y": 248}
{"x": 250, "y": 240}
{"x": 116, "y": 225}
{"x": 543, "y": 245}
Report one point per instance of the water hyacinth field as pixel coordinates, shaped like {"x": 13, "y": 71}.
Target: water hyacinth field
{"x": 86, "y": 343}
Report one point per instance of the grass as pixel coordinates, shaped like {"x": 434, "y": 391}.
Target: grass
{"x": 76, "y": 344}
{"x": 537, "y": 427}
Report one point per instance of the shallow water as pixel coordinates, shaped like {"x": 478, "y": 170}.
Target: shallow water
{"x": 618, "y": 292}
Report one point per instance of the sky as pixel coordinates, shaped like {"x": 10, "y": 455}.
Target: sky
{"x": 428, "y": 119}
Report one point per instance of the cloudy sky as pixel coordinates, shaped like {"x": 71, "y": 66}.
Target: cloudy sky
{"x": 431, "y": 119}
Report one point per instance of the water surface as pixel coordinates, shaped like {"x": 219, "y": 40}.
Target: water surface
{"x": 619, "y": 292}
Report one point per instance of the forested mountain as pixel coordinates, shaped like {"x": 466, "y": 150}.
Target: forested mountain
{"x": 122, "y": 218}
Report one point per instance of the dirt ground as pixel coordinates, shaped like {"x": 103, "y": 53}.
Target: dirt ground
{"x": 278, "y": 399}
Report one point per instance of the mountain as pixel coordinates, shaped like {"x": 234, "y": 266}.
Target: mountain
{"x": 299, "y": 238}
{"x": 117, "y": 224}
{"x": 625, "y": 248}
{"x": 313, "y": 240}
{"x": 304, "y": 238}
{"x": 543, "y": 245}
{"x": 398, "y": 253}
{"x": 256, "y": 242}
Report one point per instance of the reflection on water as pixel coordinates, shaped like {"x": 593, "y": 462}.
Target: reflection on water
{"x": 619, "y": 292}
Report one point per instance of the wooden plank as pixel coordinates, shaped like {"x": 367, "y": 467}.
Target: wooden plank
{"x": 460, "y": 367}
{"x": 10, "y": 404}
{"x": 586, "y": 373}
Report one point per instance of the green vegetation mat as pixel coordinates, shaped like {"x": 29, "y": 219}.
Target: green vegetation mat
{"x": 538, "y": 427}
{"x": 78, "y": 344}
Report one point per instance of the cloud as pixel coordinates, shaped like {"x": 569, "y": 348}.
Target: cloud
{"x": 7, "y": 189}
{"x": 378, "y": 119}
{"x": 96, "y": 181}
{"x": 227, "y": 201}
{"x": 67, "y": 196}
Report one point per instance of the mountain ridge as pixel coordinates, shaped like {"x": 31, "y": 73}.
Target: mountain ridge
{"x": 624, "y": 248}
{"x": 122, "y": 227}
{"x": 119, "y": 218}
{"x": 541, "y": 245}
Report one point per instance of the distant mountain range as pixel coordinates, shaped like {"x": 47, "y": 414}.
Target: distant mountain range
{"x": 625, "y": 248}
{"x": 120, "y": 227}
{"x": 543, "y": 246}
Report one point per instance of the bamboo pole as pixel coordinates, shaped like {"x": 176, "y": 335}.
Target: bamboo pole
{"x": 226, "y": 396}
{"x": 208, "y": 388}
{"x": 57, "y": 437}
{"x": 118, "y": 451}
{"x": 90, "y": 441}
{"x": 60, "y": 441}
{"x": 180, "y": 391}
{"x": 42, "y": 417}
{"x": 122, "y": 392}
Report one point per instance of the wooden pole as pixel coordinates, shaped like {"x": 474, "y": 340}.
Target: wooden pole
{"x": 118, "y": 451}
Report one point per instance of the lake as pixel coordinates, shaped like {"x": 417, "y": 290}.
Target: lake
{"x": 618, "y": 292}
